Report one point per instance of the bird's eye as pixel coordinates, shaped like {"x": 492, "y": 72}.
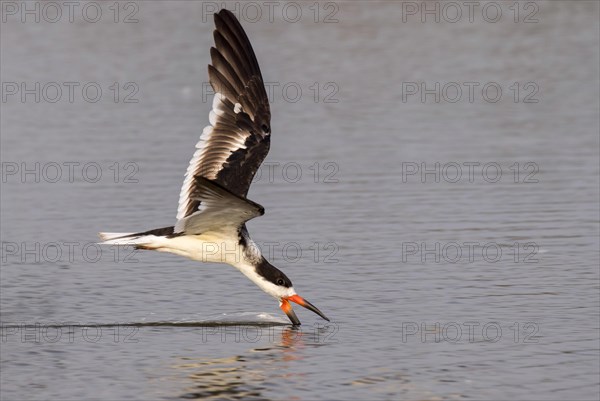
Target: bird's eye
{"x": 280, "y": 281}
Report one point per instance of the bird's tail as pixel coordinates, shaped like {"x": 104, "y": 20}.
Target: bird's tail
{"x": 118, "y": 238}
{"x": 140, "y": 240}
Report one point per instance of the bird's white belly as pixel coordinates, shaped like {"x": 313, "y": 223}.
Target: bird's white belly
{"x": 206, "y": 248}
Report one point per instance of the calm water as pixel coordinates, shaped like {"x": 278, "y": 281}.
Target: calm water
{"x": 402, "y": 253}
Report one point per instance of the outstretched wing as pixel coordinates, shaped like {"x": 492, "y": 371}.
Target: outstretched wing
{"x": 233, "y": 146}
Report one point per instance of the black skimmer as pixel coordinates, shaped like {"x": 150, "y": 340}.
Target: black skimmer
{"x": 213, "y": 208}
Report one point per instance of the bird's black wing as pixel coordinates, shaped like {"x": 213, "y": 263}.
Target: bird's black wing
{"x": 233, "y": 146}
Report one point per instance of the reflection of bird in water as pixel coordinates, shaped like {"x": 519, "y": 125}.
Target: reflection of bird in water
{"x": 242, "y": 376}
{"x": 213, "y": 208}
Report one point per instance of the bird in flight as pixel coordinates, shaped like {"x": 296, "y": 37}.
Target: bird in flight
{"x": 213, "y": 208}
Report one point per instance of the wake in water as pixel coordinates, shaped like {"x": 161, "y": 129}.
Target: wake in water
{"x": 261, "y": 319}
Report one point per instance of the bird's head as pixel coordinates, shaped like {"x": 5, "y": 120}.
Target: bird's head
{"x": 280, "y": 286}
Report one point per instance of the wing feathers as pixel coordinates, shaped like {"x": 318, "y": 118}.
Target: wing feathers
{"x": 229, "y": 27}
{"x": 212, "y": 193}
{"x": 220, "y": 210}
{"x": 220, "y": 84}
{"x": 233, "y": 146}
{"x": 228, "y": 73}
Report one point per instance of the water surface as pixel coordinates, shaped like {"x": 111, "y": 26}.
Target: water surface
{"x": 377, "y": 243}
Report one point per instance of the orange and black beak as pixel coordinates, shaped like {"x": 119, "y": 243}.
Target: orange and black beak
{"x": 287, "y": 308}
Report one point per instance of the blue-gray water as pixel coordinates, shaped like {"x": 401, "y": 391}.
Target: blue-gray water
{"x": 411, "y": 319}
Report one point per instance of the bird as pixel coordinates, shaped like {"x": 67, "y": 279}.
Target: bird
{"x": 213, "y": 206}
